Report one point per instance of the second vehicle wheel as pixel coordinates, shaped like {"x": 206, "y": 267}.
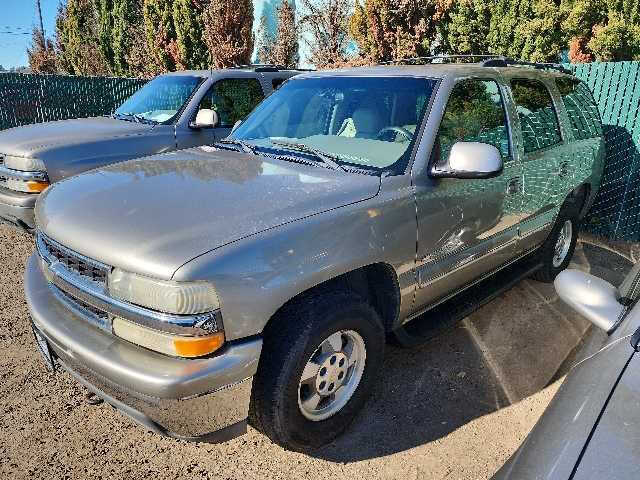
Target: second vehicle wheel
{"x": 556, "y": 252}
{"x": 319, "y": 362}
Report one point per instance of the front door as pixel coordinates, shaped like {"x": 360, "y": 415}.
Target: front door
{"x": 233, "y": 99}
{"x": 467, "y": 227}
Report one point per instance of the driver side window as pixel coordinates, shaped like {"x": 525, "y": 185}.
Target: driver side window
{"x": 475, "y": 113}
{"x": 233, "y": 99}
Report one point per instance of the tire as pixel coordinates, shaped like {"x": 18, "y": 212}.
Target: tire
{"x": 553, "y": 262}
{"x": 291, "y": 343}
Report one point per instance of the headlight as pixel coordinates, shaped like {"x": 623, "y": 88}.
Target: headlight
{"x": 24, "y": 164}
{"x": 25, "y": 186}
{"x": 174, "y": 345}
{"x": 181, "y": 298}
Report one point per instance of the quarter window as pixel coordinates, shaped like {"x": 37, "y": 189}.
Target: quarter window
{"x": 582, "y": 110}
{"x": 475, "y": 113}
{"x": 233, "y": 99}
{"x": 538, "y": 119}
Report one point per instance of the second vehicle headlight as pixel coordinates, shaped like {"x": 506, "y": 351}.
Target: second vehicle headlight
{"x": 181, "y": 298}
{"x": 24, "y": 164}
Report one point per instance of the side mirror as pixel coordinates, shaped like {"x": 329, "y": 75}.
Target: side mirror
{"x": 235, "y": 126}
{"x": 470, "y": 160}
{"x": 594, "y": 298}
{"x": 206, "y": 118}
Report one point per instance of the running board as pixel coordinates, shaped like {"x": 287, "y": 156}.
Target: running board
{"x": 447, "y": 314}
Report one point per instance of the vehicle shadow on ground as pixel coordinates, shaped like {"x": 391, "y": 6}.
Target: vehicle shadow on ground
{"x": 504, "y": 352}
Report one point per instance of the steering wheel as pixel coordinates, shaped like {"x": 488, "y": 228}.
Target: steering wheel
{"x": 397, "y": 130}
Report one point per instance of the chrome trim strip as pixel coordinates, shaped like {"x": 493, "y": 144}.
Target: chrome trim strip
{"x": 44, "y": 252}
{"x": 68, "y": 300}
{"x": 95, "y": 294}
{"x": 462, "y": 263}
{"x": 20, "y": 175}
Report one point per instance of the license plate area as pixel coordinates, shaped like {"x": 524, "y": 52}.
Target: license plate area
{"x": 44, "y": 349}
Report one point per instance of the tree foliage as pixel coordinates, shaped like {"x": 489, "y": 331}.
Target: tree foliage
{"x": 41, "y": 53}
{"x": 467, "y": 27}
{"x": 281, "y": 48}
{"x": 228, "y": 32}
{"x": 327, "y": 23}
{"x": 394, "y": 29}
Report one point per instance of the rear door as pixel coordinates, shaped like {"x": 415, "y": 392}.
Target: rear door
{"x": 544, "y": 158}
{"x": 468, "y": 227}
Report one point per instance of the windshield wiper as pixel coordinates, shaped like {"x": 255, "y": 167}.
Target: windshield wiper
{"x": 135, "y": 116}
{"x": 325, "y": 157}
{"x": 246, "y": 147}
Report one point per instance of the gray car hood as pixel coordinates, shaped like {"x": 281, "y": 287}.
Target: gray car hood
{"x": 154, "y": 214}
{"x": 31, "y": 140}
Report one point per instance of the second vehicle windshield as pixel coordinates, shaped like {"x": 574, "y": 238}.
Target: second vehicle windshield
{"x": 367, "y": 122}
{"x": 160, "y": 99}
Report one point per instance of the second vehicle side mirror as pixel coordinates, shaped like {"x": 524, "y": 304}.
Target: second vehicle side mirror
{"x": 594, "y": 298}
{"x": 469, "y": 160}
{"x": 206, "y": 118}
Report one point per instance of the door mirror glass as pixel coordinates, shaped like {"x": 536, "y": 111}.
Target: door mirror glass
{"x": 592, "y": 297}
{"x": 206, "y": 118}
{"x": 470, "y": 160}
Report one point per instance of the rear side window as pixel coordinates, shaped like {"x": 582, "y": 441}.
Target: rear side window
{"x": 475, "y": 113}
{"x": 233, "y": 99}
{"x": 582, "y": 110}
{"x": 538, "y": 119}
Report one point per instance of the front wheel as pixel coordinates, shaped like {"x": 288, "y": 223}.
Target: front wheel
{"x": 557, "y": 251}
{"x": 319, "y": 362}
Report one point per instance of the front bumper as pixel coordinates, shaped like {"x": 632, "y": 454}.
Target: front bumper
{"x": 17, "y": 208}
{"x": 197, "y": 399}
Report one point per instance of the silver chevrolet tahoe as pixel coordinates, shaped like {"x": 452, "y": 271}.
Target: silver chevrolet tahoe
{"x": 173, "y": 111}
{"x": 258, "y": 278}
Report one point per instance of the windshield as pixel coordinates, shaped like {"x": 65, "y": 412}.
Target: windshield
{"x": 367, "y": 122}
{"x": 160, "y": 99}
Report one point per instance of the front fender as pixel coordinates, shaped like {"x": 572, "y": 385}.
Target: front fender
{"x": 255, "y": 276}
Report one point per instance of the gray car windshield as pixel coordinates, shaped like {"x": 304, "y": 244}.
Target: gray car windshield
{"x": 368, "y": 122}
{"x": 160, "y": 99}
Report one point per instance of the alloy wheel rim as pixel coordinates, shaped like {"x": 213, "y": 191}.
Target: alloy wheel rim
{"x": 331, "y": 375}
{"x": 563, "y": 244}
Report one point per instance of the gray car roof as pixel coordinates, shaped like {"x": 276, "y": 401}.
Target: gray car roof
{"x": 227, "y": 72}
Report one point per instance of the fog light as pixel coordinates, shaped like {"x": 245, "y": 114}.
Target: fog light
{"x": 174, "y": 345}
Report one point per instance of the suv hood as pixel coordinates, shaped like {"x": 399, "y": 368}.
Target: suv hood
{"x": 31, "y": 140}
{"x": 154, "y": 214}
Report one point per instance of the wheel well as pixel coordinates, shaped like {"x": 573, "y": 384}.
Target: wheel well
{"x": 376, "y": 283}
{"x": 580, "y": 197}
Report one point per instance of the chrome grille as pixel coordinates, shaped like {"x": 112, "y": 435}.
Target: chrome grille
{"x": 76, "y": 263}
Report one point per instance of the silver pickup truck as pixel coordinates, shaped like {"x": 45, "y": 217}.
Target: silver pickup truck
{"x": 260, "y": 277}
{"x": 171, "y": 112}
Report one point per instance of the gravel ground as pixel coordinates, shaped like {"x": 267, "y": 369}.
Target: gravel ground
{"x": 456, "y": 408}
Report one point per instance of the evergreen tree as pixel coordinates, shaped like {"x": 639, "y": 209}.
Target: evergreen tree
{"x": 126, "y": 16}
{"x": 228, "y": 32}
{"x": 327, "y": 22}
{"x": 466, "y": 28}
{"x": 41, "y": 54}
{"x": 160, "y": 36}
{"x": 187, "y": 19}
{"x": 281, "y": 48}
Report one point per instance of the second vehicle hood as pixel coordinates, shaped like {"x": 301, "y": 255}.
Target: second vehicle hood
{"x": 152, "y": 215}
{"x": 32, "y": 140}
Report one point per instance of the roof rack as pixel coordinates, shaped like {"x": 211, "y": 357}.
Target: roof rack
{"x": 482, "y": 60}
{"x": 510, "y": 62}
{"x": 268, "y": 67}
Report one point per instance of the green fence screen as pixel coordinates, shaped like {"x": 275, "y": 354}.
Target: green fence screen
{"x": 28, "y": 98}
{"x": 616, "y": 88}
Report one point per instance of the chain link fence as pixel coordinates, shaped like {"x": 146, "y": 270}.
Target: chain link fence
{"x": 27, "y": 98}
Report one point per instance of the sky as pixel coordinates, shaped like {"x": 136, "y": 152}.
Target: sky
{"x": 16, "y": 22}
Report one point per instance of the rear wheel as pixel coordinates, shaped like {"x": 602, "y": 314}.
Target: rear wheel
{"x": 318, "y": 365}
{"x": 556, "y": 252}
